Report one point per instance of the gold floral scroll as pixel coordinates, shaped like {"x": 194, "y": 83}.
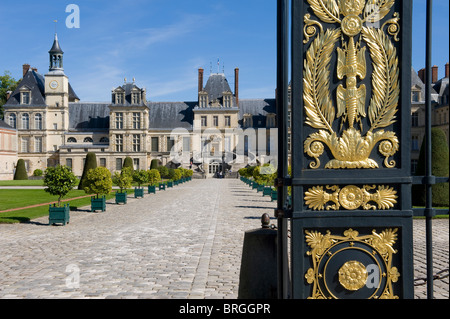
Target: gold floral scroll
{"x": 334, "y": 277}
{"x": 360, "y": 33}
{"x": 351, "y": 197}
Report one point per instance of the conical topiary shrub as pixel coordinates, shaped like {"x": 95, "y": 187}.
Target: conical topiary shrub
{"x": 440, "y": 168}
{"x": 21, "y": 171}
{"x": 90, "y": 163}
{"x": 128, "y": 162}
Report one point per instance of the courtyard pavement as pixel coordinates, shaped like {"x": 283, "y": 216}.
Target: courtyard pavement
{"x": 185, "y": 242}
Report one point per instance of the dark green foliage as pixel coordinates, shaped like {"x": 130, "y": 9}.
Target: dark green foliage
{"x": 21, "y": 171}
{"x": 128, "y": 162}
{"x": 154, "y": 164}
{"x": 90, "y": 163}
{"x": 37, "y": 172}
{"x": 163, "y": 171}
{"x": 440, "y": 168}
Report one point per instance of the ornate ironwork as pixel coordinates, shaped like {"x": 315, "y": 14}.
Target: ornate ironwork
{"x": 351, "y": 197}
{"x": 328, "y": 253}
{"x": 355, "y": 18}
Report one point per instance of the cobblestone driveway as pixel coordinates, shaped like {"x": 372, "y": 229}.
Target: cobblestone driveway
{"x": 185, "y": 242}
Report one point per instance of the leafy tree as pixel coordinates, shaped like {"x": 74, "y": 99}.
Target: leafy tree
{"x": 123, "y": 179}
{"x": 21, "y": 171}
{"x": 98, "y": 181}
{"x": 37, "y": 172}
{"x": 140, "y": 177}
{"x": 153, "y": 177}
{"x": 59, "y": 181}
{"x": 163, "y": 171}
{"x": 440, "y": 168}
{"x": 7, "y": 83}
{"x": 90, "y": 163}
{"x": 177, "y": 175}
{"x": 128, "y": 162}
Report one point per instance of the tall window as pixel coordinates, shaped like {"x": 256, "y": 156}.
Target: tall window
{"x": 119, "y": 120}
{"x": 186, "y": 144}
{"x": 118, "y": 164}
{"x": 170, "y": 144}
{"x": 415, "y": 119}
{"x": 24, "y": 145}
{"x": 38, "y": 144}
{"x": 216, "y": 120}
{"x": 25, "y": 97}
{"x": 13, "y": 120}
{"x": 135, "y": 98}
{"x": 227, "y": 121}
{"x": 102, "y": 162}
{"x": 136, "y": 143}
{"x": 119, "y": 143}
{"x": 155, "y": 144}
{"x": 415, "y": 143}
{"x": 26, "y": 121}
{"x": 227, "y": 100}
{"x": 120, "y": 98}
{"x": 136, "y": 121}
{"x": 38, "y": 121}
{"x": 136, "y": 164}
{"x": 69, "y": 162}
{"x": 204, "y": 121}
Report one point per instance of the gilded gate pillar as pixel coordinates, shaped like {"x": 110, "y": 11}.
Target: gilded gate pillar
{"x": 351, "y": 214}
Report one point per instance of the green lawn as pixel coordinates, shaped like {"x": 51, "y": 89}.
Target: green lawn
{"x": 21, "y": 198}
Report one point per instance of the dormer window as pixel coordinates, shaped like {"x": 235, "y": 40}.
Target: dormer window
{"x": 248, "y": 122}
{"x": 25, "y": 96}
{"x": 135, "y": 98}
{"x": 120, "y": 98}
{"x": 203, "y": 99}
{"x": 227, "y": 100}
{"x": 270, "y": 120}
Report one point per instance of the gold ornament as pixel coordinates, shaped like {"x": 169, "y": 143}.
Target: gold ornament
{"x": 351, "y": 197}
{"x": 353, "y": 275}
{"x": 351, "y": 149}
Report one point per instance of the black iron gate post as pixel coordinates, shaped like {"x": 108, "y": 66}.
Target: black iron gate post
{"x": 351, "y": 217}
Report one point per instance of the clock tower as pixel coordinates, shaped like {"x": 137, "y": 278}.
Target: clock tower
{"x": 56, "y": 97}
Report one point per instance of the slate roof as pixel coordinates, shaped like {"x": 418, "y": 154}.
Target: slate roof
{"x": 36, "y": 83}
{"x": 89, "y": 116}
{"x": 215, "y": 86}
{"x": 259, "y": 108}
{"x": 33, "y": 81}
{"x": 6, "y": 126}
{"x": 170, "y": 115}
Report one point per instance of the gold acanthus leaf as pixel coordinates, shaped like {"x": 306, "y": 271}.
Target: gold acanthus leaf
{"x": 385, "y": 79}
{"x": 319, "y": 109}
{"x": 326, "y": 10}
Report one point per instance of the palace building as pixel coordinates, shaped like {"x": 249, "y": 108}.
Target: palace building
{"x": 47, "y": 124}
{"x": 55, "y": 127}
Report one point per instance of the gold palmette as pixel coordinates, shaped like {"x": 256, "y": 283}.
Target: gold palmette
{"x": 352, "y": 148}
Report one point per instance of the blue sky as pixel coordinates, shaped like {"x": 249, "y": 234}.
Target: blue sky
{"x": 162, "y": 43}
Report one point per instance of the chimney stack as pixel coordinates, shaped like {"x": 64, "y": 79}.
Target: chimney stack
{"x": 434, "y": 74}
{"x": 236, "y": 85}
{"x": 200, "y": 79}
{"x": 446, "y": 70}
{"x": 421, "y": 75}
{"x": 26, "y": 67}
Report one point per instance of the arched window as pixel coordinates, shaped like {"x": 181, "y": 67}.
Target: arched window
{"x": 38, "y": 121}
{"x": 13, "y": 120}
{"x": 71, "y": 140}
{"x": 104, "y": 140}
{"x": 88, "y": 140}
{"x": 26, "y": 121}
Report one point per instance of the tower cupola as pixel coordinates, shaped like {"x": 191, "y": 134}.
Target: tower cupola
{"x": 56, "y": 56}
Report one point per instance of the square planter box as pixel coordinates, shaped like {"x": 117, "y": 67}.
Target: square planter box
{"x": 121, "y": 198}
{"x": 260, "y": 188}
{"x": 274, "y": 195}
{"x": 267, "y": 191}
{"x": 169, "y": 184}
{"x": 98, "y": 204}
{"x": 162, "y": 187}
{"x": 151, "y": 189}
{"x": 139, "y": 192}
{"x": 58, "y": 215}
